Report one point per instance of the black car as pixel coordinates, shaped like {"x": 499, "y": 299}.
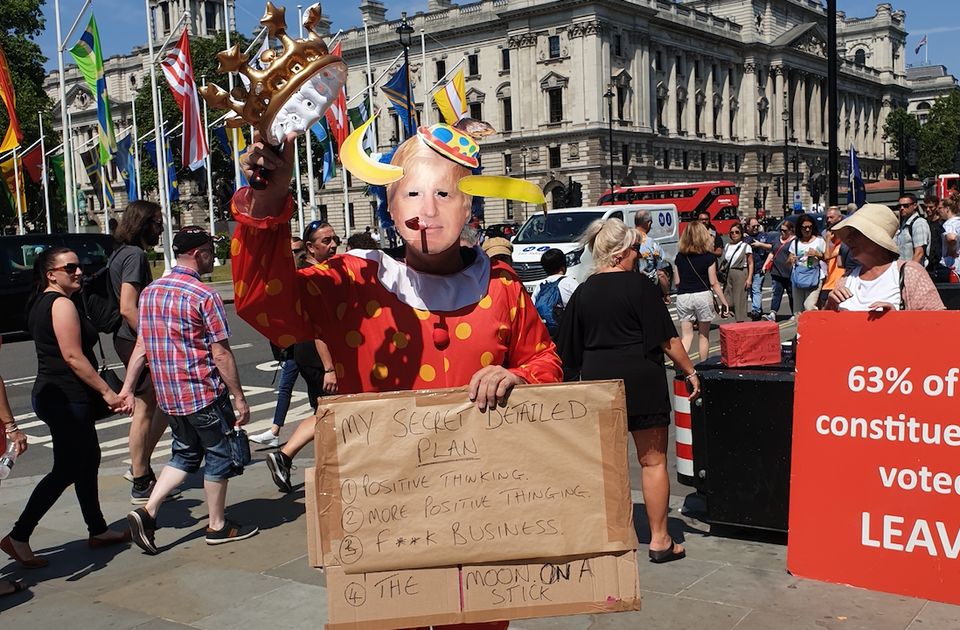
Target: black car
{"x": 502, "y": 230}
{"x": 17, "y": 254}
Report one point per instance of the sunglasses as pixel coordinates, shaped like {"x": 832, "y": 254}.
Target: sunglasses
{"x": 70, "y": 268}
{"x": 784, "y": 230}
{"x": 906, "y": 205}
{"x": 806, "y": 226}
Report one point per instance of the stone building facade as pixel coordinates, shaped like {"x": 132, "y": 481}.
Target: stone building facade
{"x": 927, "y": 84}
{"x": 699, "y": 90}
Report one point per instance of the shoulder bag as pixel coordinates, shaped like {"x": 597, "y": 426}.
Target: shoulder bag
{"x": 803, "y": 276}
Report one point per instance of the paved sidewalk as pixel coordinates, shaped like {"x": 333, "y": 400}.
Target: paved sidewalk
{"x": 724, "y": 583}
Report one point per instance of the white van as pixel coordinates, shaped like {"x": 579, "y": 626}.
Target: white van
{"x": 562, "y": 229}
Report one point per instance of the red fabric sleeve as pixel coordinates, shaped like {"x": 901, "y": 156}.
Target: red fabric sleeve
{"x": 266, "y": 286}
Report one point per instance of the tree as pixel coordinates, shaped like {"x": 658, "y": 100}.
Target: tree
{"x": 940, "y": 136}
{"x": 21, "y": 21}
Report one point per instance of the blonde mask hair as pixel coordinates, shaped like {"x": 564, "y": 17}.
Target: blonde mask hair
{"x": 420, "y": 161}
{"x": 608, "y": 239}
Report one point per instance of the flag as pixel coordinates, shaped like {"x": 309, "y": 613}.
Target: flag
{"x": 127, "y": 165}
{"x": 90, "y": 62}
{"x": 322, "y": 132}
{"x": 337, "y": 113}
{"x": 396, "y": 90}
{"x": 359, "y": 115}
{"x": 225, "y": 137}
{"x": 923, "y": 42}
{"x": 14, "y": 135}
{"x": 856, "y": 192}
{"x": 178, "y": 69}
{"x": 173, "y": 190}
{"x": 91, "y": 164}
{"x": 255, "y": 61}
{"x": 452, "y": 99}
{"x": 56, "y": 167}
{"x": 32, "y": 162}
{"x": 13, "y": 184}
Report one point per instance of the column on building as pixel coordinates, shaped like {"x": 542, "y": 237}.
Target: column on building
{"x": 709, "y": 88}
{"x": 650, "y": 76}
{"x": 733, "y": 102}
{"x": 777, "y": 103}
{"x": 690, "y": 61}
{"x": 725, "y": 131}
{"x": 815, "y": 115}
{"x": 640, "y": 70}
{"x": 593, "y": 45}
{"x": 670, "y": 119}
{"x": 803, "y": 109}
{"x": 749, "y": 95}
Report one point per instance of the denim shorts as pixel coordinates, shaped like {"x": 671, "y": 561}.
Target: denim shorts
{"x": 202, "y": 434}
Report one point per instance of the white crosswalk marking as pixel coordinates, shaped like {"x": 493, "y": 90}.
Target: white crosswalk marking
{"x": 116, "y": 444}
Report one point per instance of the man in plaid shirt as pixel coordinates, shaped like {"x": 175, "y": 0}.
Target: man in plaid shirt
{"x": 183, "y": 333}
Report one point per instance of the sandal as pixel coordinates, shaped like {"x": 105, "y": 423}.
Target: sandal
{"x": 667, "y": 555}
{"x": 18, "y": 587}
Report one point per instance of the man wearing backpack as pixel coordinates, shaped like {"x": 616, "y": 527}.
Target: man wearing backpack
{"x": 553, "y": 293}
{"x": 129, "y": 274}
{"x": 913, "y": 237}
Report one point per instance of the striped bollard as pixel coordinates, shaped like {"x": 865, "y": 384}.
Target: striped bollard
{"x": 684, "y": 425}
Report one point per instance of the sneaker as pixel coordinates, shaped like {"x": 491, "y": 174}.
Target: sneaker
{"x": 140, "y": 497}
{"x": 231, "y": 532}
{"x": 770, "y": 317}
{"x": 129, "y": 474}
{"x": 142, "y": 528}
{"x": 279, "y": 465}
{"x": 267, "y": 438}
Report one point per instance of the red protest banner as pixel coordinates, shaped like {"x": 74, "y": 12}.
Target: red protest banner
{"x": 875, "y": 472}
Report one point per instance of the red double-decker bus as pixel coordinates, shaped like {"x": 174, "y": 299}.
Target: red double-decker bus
{"x": 721, "y": 199}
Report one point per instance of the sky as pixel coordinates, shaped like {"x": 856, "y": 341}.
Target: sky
{"x": 122, "y": 26}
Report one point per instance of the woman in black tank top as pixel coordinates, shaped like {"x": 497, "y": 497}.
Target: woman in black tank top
{"x": 66, "y": 396}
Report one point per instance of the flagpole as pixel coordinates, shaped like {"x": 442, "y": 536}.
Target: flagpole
{"x": 377, "y": 80}
{"x": 926, "y": 50}
{"x": 166, "y": 173}
{"x": 16, "y": 185}
{"x": 206, "y": 135}
{"x": 103, "y": 199}
{"x": 311, "y": 190}
{"x": 236, "y": 153}
{"x": 366, "y": 45}
{"x": 296, "y": 177}
{"x": 136, "y": 148}
{"x": 71, "y": 165}
{"x": 161, "y": 172}
{"x": 423, "y": 70}
{"x": 65, "y": 123}
{"x": 346, "y": 204}
{"x": 43, "y": 175}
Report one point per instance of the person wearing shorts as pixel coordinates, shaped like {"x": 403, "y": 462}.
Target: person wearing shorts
{"x": 695, "y": 275}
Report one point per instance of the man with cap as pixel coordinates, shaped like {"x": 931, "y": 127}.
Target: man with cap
{"x": 499, "y": 249}
{"x": 183, "y": 333}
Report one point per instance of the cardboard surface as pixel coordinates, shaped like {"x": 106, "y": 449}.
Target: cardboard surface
{"x": 422, "y": 479}
{"x": 875, "y": 472}
{"x": 749, "y": 343}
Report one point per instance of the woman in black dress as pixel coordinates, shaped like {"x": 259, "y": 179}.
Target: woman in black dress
{"x": 616, "y": 326}
{"x": 67, "y": 396}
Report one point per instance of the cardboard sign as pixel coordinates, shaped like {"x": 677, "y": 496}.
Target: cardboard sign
{"x": 875, "y": 474}
{"x": 423, "y": 479}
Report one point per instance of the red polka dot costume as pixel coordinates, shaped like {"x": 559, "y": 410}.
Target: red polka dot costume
{"x": 388, "y": 327}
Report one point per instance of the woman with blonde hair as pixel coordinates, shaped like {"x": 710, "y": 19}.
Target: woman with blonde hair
{"x": 616, "y": 326}
{"x": 695, "y": 276}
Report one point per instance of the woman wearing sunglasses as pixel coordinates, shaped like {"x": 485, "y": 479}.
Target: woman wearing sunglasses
{"x": 67, "y": 396}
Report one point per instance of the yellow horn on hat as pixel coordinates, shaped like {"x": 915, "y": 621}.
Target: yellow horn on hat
{"x": 501, "y": 187}
{"x": 355, "y": 159}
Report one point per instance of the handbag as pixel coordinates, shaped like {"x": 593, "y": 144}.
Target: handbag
{"x": 717, "y": 305}
{"x": 724, "y": 266}
{"x": 768, "y": 264}
{"x": 803, "y": 276}
{"x": 240, "y": 456}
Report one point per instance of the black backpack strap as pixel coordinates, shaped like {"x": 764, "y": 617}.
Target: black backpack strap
{"x": 903, "y": 302}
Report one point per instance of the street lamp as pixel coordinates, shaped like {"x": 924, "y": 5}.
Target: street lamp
{"x": 609, "y": 97}
{"x": 405, "y": 31}
{"x": 785, "y": 116}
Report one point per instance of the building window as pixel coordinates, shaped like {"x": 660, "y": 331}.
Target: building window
{"x": 736, "y": 163}
{"x": 555, "y": 96}
{"x": 703, "y": 160}
{"x": 764, "y": 163}
{"x": 322, "y": 212}
{"x": 353, "y": 218}
{"x": 860, "y": 57}
{"x": 553, "y": 43}
{"x": 658, "y": 62}
{"x": 504, "y": 59}
{"x": 507, "y": 163}
{"x": 476, "y": 111}
{"x": 696, "y": 69}
{"x": 686, "y": 160}
{"x": 554, "y": 156}
{"x": 625, "y": 154}
{"x": 165, "y": 16}
{"x": 510, "y": 209}
{"x": 441, "y": 68}
{"x": 473, "y": 65}
{"x": 720, "y": 162}
{"x": 618, "y": 45}
{"x": 666, "y": 158}
{"x": 210, "y": 16}
{"x": 507, "y": 113}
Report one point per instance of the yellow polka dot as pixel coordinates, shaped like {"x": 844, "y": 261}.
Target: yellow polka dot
{"x": 354, "y": 339}
{"x": 486, "y": 302}
{"x": 340, "y": 370}
{"x": 486, "y": 359}
{"x": 263, "y": 320}
{"x": 541, "y": 346}
{"x": 522, "y": 302}
{"x": 506, "y": 280}
{"x": 513, "y": 313}
{"x": 463, "y": 330}
{"x": 400, "y": 340}
{"x": 322, "y": 267}
{"x": 503, "y": 333}
{"x": 286, "y": 341}
{"x": 373, "y": 309}
{"x": 312, "y": 288}
{"x": 446, "y": 364}
{"x": 379, "y": 371}
{"x": 427, "y": 373}
{"x": 234, "y": 247}
{"x": 424, "y": 315}
{"x": 274, "y": 287}
{"x": 341, "y": 310}
{"x": 240, "y": 288}
{"x": 350, "y": 275}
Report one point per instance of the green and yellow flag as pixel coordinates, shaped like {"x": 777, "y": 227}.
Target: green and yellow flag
{"x": 90, "y": 62}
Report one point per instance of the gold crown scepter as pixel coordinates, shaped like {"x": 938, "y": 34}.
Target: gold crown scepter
{"x": 291, "y": 92}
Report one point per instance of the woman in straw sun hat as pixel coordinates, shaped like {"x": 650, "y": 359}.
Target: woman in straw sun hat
{"x": 882, "y": 282}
